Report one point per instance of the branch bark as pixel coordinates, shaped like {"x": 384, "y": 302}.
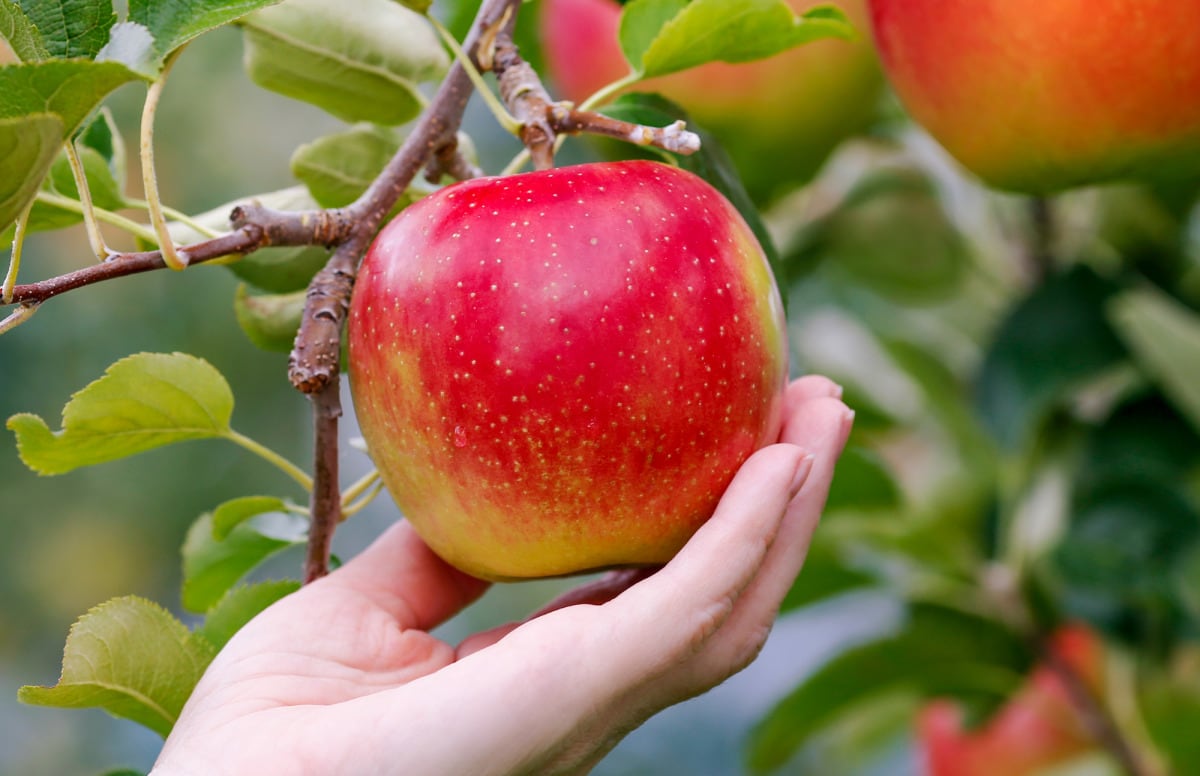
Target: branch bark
{"x": 314, "y": 363}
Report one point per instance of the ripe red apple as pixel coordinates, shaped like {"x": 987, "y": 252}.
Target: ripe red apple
{"x": 562, "y": 370}
{"x": 779, "y": 117}
{"x": 1038, "y": 96}
{"x": 1037, "y": 729}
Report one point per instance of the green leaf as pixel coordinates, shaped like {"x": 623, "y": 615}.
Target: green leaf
{"x": 176, "y": 22}
{"x": 22, "y": 36}
{"x": 239, "y": 606}
{"x": 711, "y": 162}
{"x": 892, "y": 235}
{"x": 824, "y": 576}
{"x": 722, "y": 30}
{"x": 106, "y": 191}
{"x": 270, "y": 321}
{"x": 130, "y": 657}
{"x": 1126, "y": 542}
{"x": 69, "y": 89}
{"x": 71, "y": 28}
{"x": 939, "y": 652}
{"x": 338, "y": 168}
{"x": 360, "y": 60}
{"x": 420, "y": 6}
{"x": 1170, "y": 707}
{"x": 1052, "y": 342}
{"x": 1164, "y": 337}
{"x": 142, "y": 402}
{"x": 641, "y": 23}
{"x": 862, "y": 482}
{"x": 275, "y": 270}
{"x": 233, "y": 513}
{"x": 28, "y": 145}
{"x": 211, "y": 567}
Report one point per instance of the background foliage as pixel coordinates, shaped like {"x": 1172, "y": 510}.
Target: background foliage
{"x": 1026, "y": 377}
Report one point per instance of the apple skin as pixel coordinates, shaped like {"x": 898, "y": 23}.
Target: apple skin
{"x": 1035, "y": 96}
{"x": 779, "y": 118}
{"x": 561, "y": 371}
{"x": 1037, "y": 729}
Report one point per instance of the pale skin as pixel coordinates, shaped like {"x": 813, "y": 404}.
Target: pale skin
{"x": 343, "y": 677}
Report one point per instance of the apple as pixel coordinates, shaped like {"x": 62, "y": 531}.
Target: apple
{"x": 1035, "y": 96}
{"x": 1037, "y": 729}
{"x": 561, "y": 371}
{"x": 779, "y": 118}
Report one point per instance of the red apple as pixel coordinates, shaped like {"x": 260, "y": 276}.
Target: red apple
{"x": 779, "y": 117}
{"x": 562, "y": 370}
{"x": 1038, "y": 96}
{"x": 1037, "y": 729}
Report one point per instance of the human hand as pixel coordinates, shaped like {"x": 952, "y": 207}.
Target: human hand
{"x": 343, "y": 676}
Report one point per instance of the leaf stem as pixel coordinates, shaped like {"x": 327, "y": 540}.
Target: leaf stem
{"x": 14, "y": 262}
{"x": 503, "y": 117}
{"x": 95, "y": 237}
{"x": 107, "y": 216}
{"x": 179, "y": 216}
{"x": 606, "y": 93}
{"x": 269, "y": 455}
{"x": 173, "y": 258}
{"x": 350, "y": 510}
{"x": 360, "y": 487}
{"x": 17, "y": 317}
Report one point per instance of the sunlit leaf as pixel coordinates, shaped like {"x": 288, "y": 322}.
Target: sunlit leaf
{"x": 1165, "y": 339}
{"x": 132, "y": 658}
{"x": 20, "y": 33}
{"x": 338, "y": 168}
{"x": 71, "y": 28}
{"x": 657, "y": 41}
{"x": 175, "y": 22}
{"x": 234, "y": 512}
{"x": 68, "y": 89}
{"x": 239, "y": 606}
{"x": 142, "y": 402}
{"x": 211, "y": 567}
{"x": 360, "y": 60}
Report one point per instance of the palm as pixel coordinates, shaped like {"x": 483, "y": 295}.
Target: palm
{"x": 344, "y": 676}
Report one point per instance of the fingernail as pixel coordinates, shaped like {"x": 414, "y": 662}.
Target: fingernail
{"x": 803, "y": 467}
{"x": 847, "y": 424}
{"x": 838, "y": 390}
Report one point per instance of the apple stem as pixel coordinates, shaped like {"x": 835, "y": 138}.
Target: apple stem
{"x": 1041, "y": 240}
{"x": 543, "y": 120}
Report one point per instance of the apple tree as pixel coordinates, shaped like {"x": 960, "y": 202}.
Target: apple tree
{"x": 1022, "y": 489}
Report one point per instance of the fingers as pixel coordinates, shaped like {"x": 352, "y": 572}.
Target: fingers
{"x": 821, "y": 425}
{"x": 669, "y": 615}
{"x": 597, "y": 592}
{"x": 401, "y": 575}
